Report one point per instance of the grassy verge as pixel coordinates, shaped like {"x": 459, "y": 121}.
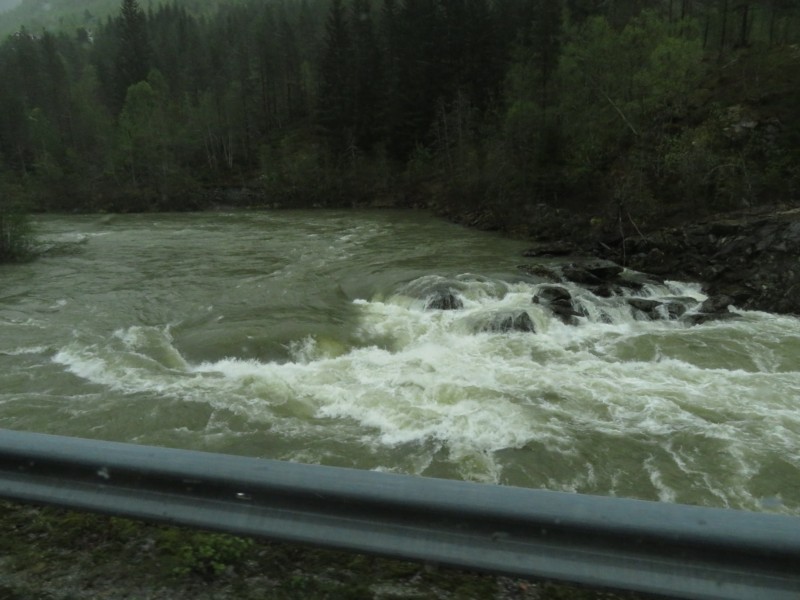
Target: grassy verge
{"x": 51, "y": 554}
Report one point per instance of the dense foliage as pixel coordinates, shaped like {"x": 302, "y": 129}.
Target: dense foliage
{"x": 15, "y": 229}
{"x": 504, "y": 107}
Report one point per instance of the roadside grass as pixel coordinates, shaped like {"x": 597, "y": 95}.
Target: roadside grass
{"x": 54, "y": 554}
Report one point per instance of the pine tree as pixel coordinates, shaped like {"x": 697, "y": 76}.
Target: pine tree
{"x": 367, "y": 76}
{"x": 335, "y": 107}
{"x": 133, "y": 58}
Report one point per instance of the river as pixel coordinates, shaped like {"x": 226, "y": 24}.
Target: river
{"x": 304, "y": 336}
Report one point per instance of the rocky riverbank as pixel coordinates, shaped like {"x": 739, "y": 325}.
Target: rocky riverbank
{"x": 750, "y": 260}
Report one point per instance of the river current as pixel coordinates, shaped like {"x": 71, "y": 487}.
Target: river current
{"x": 304, "y": 336}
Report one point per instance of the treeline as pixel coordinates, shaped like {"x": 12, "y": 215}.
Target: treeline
{"x": 501, "y": 107}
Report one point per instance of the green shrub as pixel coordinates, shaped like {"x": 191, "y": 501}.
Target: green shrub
{"x": 201, "y": 553}
{"x": 15, "y": 228}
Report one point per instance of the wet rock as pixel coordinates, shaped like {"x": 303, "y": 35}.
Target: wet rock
{"x": 559, "y": 301}
{"x": 444, "y": 301}
{"x": 716, "y": 304}
{"x": 547, "y": 294}
{"x": 603, "y": 269}
{"x": 750, "y": 257}
{"x": 578, "y": 274}
{"x": 646, "y": 306}
{"x": 512, "y": 321}
{"x": 715, "y": 308}
{"x": 551, "y": 249}
{"x": 674, "y": 309}
{"x": 605, "y": 290}
{"x": 660, "y": 309}
{"x": 700, "y": 318}
{"x": 541, "y": 271}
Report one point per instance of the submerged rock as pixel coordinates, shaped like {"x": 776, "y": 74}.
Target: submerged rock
{"x": 444, "y": 301}
{"x": 511, "y": 321}
{"x": 645, "y": 306}
{"x": 659, "y": 309}
{"x": 547, "y": 294}
{"x": 715, "y": 308}
{"x": 558, "y": 299}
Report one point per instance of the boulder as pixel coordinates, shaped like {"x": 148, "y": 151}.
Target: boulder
{"x": 605, "y": 290}
{"x": 578, "y": 274}
{"x": 511, "y": 321}
{"x": 559, "y": 301}
{"x": 603, "y": 269}
{"x": 548, "y": 294}
{"x": 540, "y": 271}
{"x": 675, "y": 310}
{"x": 444, "y": 300}
{"x": 561, "y": 248}
{"x": 700, "y": 318}
{"x": 646, "y": 306}
{"x": 714, "y": 308}
{"x": 592, "y": 272}
{"x": 716, "y": 304}
{"x": 750, "y": 256}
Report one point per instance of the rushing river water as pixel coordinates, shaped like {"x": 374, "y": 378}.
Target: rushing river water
{"x": 304, "y": 336}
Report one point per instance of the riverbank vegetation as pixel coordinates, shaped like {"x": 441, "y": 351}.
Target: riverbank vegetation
{"x": 15, "y": 227}
{"x": 508, "y": 112}
{"x": 60, "y": 555}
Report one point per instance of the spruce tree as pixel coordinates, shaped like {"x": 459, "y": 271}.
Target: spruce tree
{"x": 133, "y": 58}
{"x": 335, "y": 105}
{"x": 367, "y": 75}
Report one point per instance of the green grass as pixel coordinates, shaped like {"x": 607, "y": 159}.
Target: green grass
{"x": 53, "y": 554}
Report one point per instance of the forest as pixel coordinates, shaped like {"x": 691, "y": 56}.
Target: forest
{"x": 502, "y": 113}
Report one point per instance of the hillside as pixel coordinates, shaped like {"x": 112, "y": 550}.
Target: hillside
{"x": 68, "y": 15}
{"x": 6, "y": 5}
{"x": 581, "y": 121}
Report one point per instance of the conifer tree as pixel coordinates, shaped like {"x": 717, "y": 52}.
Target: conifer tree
{"x": 133, "y": 58}
{"x": 335, "y": 109}
{"x": 367, "y": 75}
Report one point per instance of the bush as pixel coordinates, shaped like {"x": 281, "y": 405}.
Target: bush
{"x": 15, "y": 228}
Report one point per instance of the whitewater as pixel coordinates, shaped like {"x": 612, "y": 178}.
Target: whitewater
{"x": 309, "y": 336}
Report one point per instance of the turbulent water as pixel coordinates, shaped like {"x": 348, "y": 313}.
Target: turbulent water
{"x": 305, "y": 336}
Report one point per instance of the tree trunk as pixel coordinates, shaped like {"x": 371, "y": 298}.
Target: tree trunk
{"x": 743, "y": 31}
{"x": 723, "y": 37}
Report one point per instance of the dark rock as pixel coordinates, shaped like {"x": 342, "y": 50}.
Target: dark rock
{"x": 674, "y": 309}
{"x": 540, "y": 271}
{"x": 514, "y": 321}
{"x": 548, "y": 294}
{"x": 751, "y": 257}
{"x": 603, "y": 269}
{"x": 716, "y": 304}
{"x": 579, "y": 274}
{"x": 566, "y": 313}
{"x": 444, "y": 301}
{"x": 559, "y": 301}
{"x": 700, "y": 318}
{"x": 551, "y": 249}
{"x": 645, "y": 305}
{"x": 605, "y": 290}
{"x": 725, "y": 228}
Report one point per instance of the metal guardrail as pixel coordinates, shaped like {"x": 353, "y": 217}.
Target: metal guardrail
{"x": 649, "y": 547}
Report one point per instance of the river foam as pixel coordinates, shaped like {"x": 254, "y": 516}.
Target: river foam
{"x": 614, "y": 404}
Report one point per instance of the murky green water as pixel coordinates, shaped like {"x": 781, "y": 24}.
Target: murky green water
{"x": 304, "y": 336}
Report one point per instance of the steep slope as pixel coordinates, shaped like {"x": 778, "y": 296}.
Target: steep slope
{"x": 68, "y": 15}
